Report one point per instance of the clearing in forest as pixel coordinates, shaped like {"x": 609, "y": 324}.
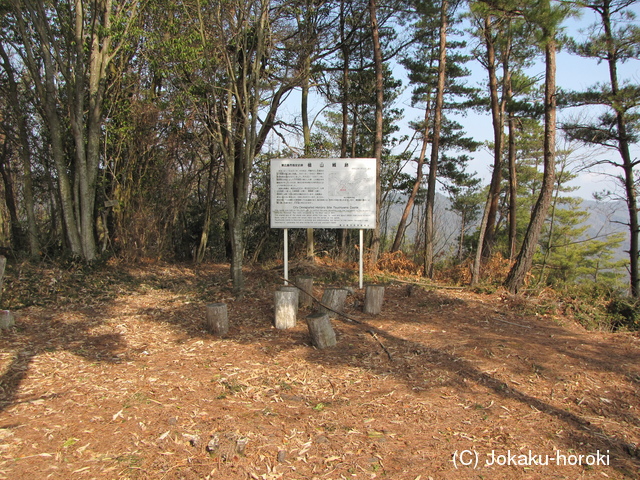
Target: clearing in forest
{"x": 111, "y": 375}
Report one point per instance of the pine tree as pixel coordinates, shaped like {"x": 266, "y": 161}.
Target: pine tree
{"x": 614, "y": 40}
{"x": 506, "y": 46}
{"x": 547, "y": 18}
{"x": 436, "y": 69}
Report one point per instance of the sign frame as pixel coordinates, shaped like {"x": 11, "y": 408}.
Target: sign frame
{"x": 323, "y": 193}
{"x": 337, "y": 193}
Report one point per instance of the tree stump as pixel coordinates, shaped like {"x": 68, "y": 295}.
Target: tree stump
{"x": 334, "y": 298}
{"x": 217, "y": 318}
{"x": 373, "y": 298}
{"x": 291, "y": 288}
{"x": 6, "y": 319}
{"x": 286, "y": 309}
{"x": 306, "y": 290}
{"x": 321, "y": 331}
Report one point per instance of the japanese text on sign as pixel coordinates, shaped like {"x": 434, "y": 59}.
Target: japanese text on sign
{"x": 323, "y": 193}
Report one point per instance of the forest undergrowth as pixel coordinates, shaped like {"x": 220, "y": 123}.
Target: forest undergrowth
{"x": 596, "y": 306}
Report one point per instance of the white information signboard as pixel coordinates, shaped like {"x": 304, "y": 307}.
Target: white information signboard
{"x": 323, "y": 193}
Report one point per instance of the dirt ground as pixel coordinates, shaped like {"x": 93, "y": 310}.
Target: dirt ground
{"x": 121, "y": 381}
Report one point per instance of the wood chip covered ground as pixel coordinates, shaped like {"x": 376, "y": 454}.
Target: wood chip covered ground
{"x": 117, "y": 378}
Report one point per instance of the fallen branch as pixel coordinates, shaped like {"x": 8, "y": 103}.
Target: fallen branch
{"x": 375, "y": 336}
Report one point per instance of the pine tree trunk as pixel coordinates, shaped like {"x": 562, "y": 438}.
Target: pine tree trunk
{"x": 377, "y": 145}
{"x": 513, "y": 179}
{"x": 513, "y": 188}
{"x": 627, "y": 162}
{"x": 517, "y": 274}
{"x": 477, "y": 262}
{"x": 463, "y": 227}
{"x": 488, "y": 240}
{"x": 306, "y": 135}
{"x": 402, "y": 225}
{"x": 344, "y": 131}
{"x": 429, "y": 236}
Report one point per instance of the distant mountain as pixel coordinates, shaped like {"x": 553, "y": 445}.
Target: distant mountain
{"x": 447, "y": 223}
{"x": 604, "y": 218}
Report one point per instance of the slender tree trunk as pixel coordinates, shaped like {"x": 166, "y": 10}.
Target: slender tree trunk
{"x": 344, "y": 100}
{"x": 477, "y": 261}
{"x": 64, "y": 185}
{"x": 627, "y": 162}
{"x": 513, "y": 188}
{"x": 87, "y": 127}
{"x": 497, "y": 121}
{"x": 212, "y": 186}
{"x": 490, "y": 209}
{"x": 306, "y": 134}
{"x": 402, "y": 225}
{"x": 429, "y": 235}
{"x": 206, "y": 226}
{"x": 239, "y": 134}
{"x": 353, "y": 141}
{"x": 517, "y": 274}
{"x": 237, "y": 197}
{"x": 17, "y": 237}
{"x": 236, "y": 238}
{"x": 634, "y": 244}
{"x": 552, "y": 223}
{"x": 78, "y": 124}
{"x": 86, "y": 111}
{"x": 46, "y": 87}
{"x": 25, "y": 155}
{"x": 377, "y": 144}
{"x": 237, "y": 188}
{"x": 513, "y": 180}
{"x": 344, "y": 97}
{"x": 70, "y": 75}
{"x": 463, "y": 228}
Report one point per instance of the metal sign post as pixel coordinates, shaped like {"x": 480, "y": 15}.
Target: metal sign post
{"x": 361, "y": 257}
{"x": 286, "y": 256}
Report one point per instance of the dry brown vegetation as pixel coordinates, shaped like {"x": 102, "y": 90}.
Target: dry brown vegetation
{"x": 110, "y": 374}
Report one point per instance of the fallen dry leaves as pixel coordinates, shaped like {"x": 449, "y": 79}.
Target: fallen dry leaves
{"x": 127, "y": 384}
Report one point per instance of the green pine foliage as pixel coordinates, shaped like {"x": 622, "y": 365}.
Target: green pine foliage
{"x": 568, "y": 255}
